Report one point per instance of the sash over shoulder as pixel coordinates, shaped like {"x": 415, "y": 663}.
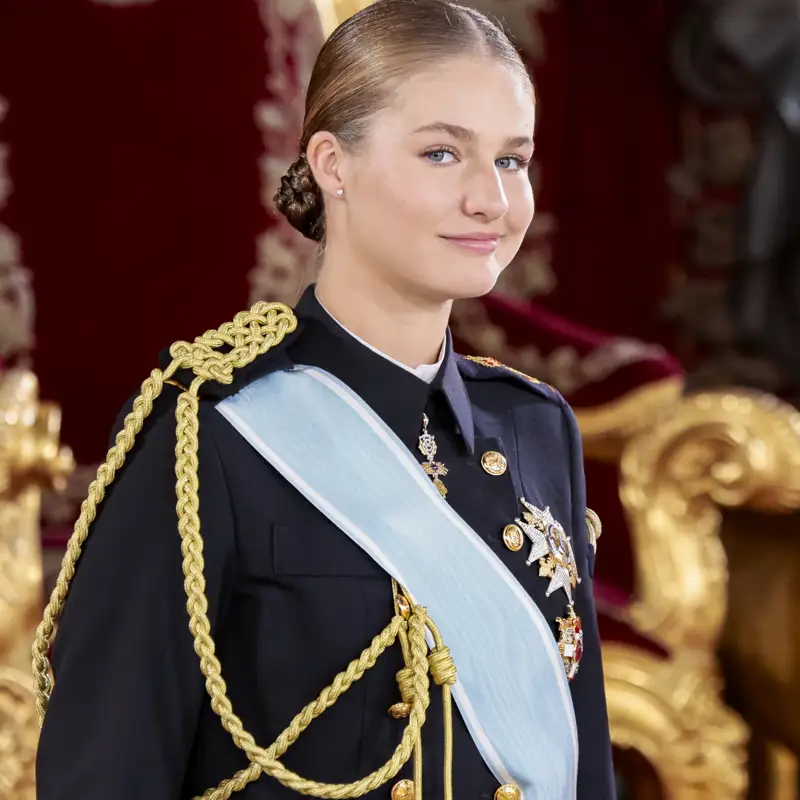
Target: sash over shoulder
{"x": 511, "y": 688}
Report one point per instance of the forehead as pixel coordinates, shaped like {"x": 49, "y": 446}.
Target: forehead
{"x": 482, "y": 94}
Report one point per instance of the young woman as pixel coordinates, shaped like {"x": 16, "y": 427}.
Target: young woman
{"x": 365, "y": 524}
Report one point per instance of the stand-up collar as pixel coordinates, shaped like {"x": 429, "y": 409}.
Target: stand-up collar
{"x": 398, "y": 396}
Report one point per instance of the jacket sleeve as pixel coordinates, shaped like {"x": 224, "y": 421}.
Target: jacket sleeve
{"x": 595, "y": 765}
{"x": 128, "y": 687}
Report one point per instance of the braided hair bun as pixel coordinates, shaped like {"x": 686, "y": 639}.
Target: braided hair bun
{"x": 300, "y": 200}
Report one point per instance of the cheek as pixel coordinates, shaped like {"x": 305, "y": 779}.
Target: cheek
{"x": 520, "y": 206}
{"x": 408, "y": 200}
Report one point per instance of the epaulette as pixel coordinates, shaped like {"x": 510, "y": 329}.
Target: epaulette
{"x": 488, "y": 368}
{"x": 272, "y": 360}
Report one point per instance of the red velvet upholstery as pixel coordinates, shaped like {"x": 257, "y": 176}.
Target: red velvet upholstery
{"x": 587, "y": 366}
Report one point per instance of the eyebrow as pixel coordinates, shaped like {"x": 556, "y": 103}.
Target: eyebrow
{"x": 465, "y": 134}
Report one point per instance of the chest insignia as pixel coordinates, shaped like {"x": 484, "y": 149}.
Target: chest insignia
{"x": 552, "y": 548}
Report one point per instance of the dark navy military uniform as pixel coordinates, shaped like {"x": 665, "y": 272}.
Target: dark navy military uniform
{"x": 292, "y": 599}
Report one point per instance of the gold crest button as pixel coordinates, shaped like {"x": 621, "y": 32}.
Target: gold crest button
{"x": 493, "y": 462}
{"x": 403, "y": 790}
{"x": 508, "y": 792}
{"x": 513, "y": 538}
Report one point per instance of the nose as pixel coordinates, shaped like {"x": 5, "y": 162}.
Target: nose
{"x": 485, "y": 196}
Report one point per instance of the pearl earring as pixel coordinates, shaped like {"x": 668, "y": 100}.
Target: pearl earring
{"x": 339, "y": 192}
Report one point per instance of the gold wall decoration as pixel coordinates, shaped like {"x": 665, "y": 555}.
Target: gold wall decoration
{"x": 285, "y": 260}
{"x": 16, "y": 297}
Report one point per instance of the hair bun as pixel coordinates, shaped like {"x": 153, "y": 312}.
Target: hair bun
{"x": 300, "y": 200}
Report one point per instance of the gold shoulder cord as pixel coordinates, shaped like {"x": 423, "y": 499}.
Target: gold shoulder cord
{"x": 251, "y": 334}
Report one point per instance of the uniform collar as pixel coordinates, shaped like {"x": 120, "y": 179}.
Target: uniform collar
{"x": 397, "y": 395}
{"x": 426, "y": 372}
{"x": 450, "y": 383}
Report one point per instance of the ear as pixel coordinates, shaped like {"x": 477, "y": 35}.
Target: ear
{"x": 326, "y": 159}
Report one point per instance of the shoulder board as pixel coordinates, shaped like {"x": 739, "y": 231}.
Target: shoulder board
{"x": 483, "y": 368}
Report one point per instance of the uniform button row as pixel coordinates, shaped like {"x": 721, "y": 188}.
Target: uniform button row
{"x": 404, "y": 790}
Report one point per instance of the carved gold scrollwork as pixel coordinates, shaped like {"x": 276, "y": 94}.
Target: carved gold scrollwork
{"x": 683, "y": 459}
{"x": 606, "y": 429}
{"x": 30, "y": 459}
{"x": 697, "y": 455}
{"x": 18, "y": 735}
{"x": 712, "y": 449}
{"x": 670, "y": 711}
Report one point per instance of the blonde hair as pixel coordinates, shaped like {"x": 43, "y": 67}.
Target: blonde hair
{"x": 359, "y": 68}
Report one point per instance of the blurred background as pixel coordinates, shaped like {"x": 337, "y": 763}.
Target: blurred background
{"x": 141, "y": 142}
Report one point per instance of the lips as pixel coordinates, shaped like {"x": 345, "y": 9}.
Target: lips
{"x": 475, "y": 242}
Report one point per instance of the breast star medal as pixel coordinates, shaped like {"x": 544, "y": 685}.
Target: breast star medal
{"x": 435, "y": 469}
{"x": 552, "y": 548}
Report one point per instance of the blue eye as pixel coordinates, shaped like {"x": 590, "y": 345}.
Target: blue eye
{"x": 512, "y": 163}
{"x": 439, "y": 156}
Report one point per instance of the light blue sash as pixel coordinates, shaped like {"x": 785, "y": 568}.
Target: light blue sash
{"x": 511, "y": 689}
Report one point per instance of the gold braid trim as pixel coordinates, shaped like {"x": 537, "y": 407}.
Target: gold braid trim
{"x": 251, "y": 334}
{"x": 493, "y": 362}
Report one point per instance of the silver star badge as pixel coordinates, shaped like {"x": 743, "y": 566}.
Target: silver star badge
{"x": 551, "y": 546}
{"x": 539, "y": 546}
{"x": 560, "y": 580}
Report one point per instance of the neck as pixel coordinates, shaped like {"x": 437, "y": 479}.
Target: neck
{"x": 408, "y": 330}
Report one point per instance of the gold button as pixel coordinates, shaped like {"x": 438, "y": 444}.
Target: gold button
{"x": 403, "y": 790}
{"x": 508, "y": 792}
{"x": 513, "y": 537}
{"x": 493, "y": 462}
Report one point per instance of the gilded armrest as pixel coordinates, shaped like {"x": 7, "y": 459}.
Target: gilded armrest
{"x": 682, "y": 461}
{"x": 606, "y": 429}
{"x": 733, "y": 449}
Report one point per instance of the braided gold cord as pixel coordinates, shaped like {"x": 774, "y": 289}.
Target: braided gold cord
{"x": 270, "y": 766}
{"x": 443, "y": 670}
{"x": 248, "y": 336}
{"x": 115, "y": 458}
{"x": 251, "y": 334}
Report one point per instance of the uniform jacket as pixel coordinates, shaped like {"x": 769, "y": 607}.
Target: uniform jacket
{"x": 292, "y": 600}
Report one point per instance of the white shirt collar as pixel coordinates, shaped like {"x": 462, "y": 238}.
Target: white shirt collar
{"x": 425, "y": 372}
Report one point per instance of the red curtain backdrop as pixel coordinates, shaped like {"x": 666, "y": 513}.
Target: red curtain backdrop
{"x": 136, "y": 157}
{"x": 607, "y": 137}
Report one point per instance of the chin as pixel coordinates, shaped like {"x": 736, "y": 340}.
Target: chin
{"x": 473, "y": 279}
